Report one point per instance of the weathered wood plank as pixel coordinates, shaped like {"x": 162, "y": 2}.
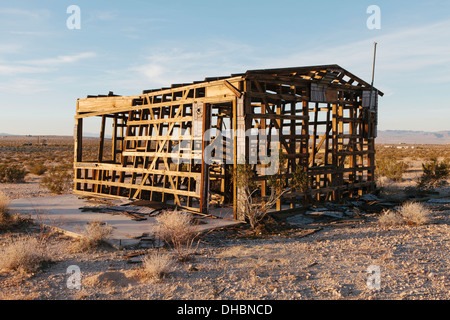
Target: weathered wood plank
{"x": 224, "y": 99}
{"x": 118, "y": 168}
{"x": 142, "y": 187}
{"x": 158, "y": 121}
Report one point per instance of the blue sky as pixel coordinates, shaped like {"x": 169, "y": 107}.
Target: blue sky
{"x": 130, "y": 46}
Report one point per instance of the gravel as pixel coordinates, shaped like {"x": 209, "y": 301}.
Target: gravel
{"x": 229, "y": 264}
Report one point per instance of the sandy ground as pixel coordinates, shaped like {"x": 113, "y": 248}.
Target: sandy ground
{"x": 332, "y": 263}
{"x": 30, "y": 188}
{"x": 286, "y": 264}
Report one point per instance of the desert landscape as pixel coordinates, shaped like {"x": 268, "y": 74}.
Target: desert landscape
{"x": 325, "y": 251}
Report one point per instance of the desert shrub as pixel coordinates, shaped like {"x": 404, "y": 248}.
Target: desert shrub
{"x": 157, "y": 265}
{"x": 175, "y": 227}
{"x": 390, "y": 168}
{"x": 390, "y": 218}
{"x": 383, "y": 181}
{"x": 25, "y": 254}
{"x": 415, "y": 213}
{"x": 177, "y": 230}
{"x": 255, "y": 210}
{"x": 4, "y": 207}
{"x": 411, "y": 213}
{"x": 434, "y": 173}
{"x": 95, "y": 233}
{"x": 5, "y": 216}
{"x": 12, "y": 173}
{"x": 8, "y": 220}
{"x": 58, "y": 180}
{"x": 38, "y": 168}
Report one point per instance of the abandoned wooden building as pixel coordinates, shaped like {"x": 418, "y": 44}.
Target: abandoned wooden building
{"x": 153, "y": 146}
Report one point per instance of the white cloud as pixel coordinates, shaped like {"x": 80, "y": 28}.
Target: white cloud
{"x": 107, "y": 15}
{"x": 40, "y": 66}
{"x": 36, "y": 14}
{"x": 24, "y": 86}
{"x": 60, "y": 59}
{"x": 29, "y": 33}
{"x": 20, "y": 69}
{"x": 9, "y": 48}
{"x": 193, "y": 63}
{"x": 406, "y": 50}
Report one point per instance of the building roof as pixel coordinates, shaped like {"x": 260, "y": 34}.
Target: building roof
{"x": 331, "y": 74}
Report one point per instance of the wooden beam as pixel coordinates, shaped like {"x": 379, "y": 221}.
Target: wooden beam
{"x": 102, "y": 140}
{"x": 237, "y": 93}
{"x": 116, "y": 167}
{"x": 78, "y": 143}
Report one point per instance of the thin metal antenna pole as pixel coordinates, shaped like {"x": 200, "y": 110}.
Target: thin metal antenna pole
{"x": 372, "y": 134}
{"x": 373, "y": 74}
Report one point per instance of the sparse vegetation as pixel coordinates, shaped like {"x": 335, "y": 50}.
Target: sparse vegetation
{"x": 8, "y": 220}
{"x": 414, "y": 213}
{"x": 26, "y": 254}
{"x": 94, "y": 234}
{"x": 38, "y": 168}
{"x": 58, "y": 180}
{"x": 157, "y": 265}
{"x": 255, "y": 210}
{"x": 12, "y": 173}
{"x": 411, "y": 213}
{"x": 434, "y": 173}
{"x": 4, "y": 204}
{"x": 391, "y": 168}
{"x": 177, "y": 230}
{"x": 229, "y": 264}
{"x": 390, "y": 218}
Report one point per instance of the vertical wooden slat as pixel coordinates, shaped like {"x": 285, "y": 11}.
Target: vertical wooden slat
{"x": 78, "y": 143}
{"x": 234, "y": 137}
{"x": 204, "y": 193}
{"x": 102, "y": 140}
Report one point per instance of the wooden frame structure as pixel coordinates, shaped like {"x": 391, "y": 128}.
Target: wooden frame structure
{"x": 322, "y": 115}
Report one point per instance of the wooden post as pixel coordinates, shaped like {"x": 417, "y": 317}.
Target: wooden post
{"x": 204, "y": 195}
{"x": 102, "y": 140}
{"x": 78, "y": 143}
{"x": 78, "y": 149}
{"x": 280, "y": 133}
{"x": 114, "y": 140}
{"x": 334, "y": 148}
{"x": 234, "y": 126}
{"x": 240, "y": 150}
{"x": 305, "y": 139}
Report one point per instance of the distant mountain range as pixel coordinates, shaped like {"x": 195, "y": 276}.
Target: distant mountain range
{"x": 384, "y": 137}
{"x": 413, "y": 137}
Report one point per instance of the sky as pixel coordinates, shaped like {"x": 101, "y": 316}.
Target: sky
{"x": 130, "y": 46}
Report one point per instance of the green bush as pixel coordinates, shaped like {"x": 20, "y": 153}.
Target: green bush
{"x": 12, "y": 173}
{"x": 434, "y": 173}
{"x": 392, "y": 169}
{"x": 38, "y": 168}
{"x": 58, "y": 180}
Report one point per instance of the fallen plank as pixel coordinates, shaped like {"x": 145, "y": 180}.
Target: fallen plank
{"x": 136, "y": 254}
{"x": 133, "y": 213}
{"x": 309, "y": 232}
{"x": 133, "y": 216}
{"x": 332, "y": 214}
